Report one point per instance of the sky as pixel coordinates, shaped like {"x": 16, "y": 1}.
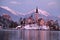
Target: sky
{"x": 24, "y": 6}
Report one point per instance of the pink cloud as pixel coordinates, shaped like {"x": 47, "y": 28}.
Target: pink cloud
{"x": 45, "y": 13}
{"x": 19, "y": 13}
{"x": 12, "y": 11}
{"x": 52, "y": 3}
{"x": 15, "y": 3}
{"x": 9, "y": 9}
{"x": 58, "y": 16}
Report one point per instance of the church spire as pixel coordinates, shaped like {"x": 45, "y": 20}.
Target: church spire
{"x": 36, "y": 9}
{"x": 36, "y": 14}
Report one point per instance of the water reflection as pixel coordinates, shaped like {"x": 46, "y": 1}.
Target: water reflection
{"x": 29, "y": 35}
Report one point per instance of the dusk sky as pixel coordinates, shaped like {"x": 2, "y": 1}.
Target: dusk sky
{"x": 24, "y": 6}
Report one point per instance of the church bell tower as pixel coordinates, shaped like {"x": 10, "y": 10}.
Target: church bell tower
{"x": 36, "y": 14}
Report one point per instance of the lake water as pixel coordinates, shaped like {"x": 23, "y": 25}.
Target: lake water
{"x": 32, "y": 34}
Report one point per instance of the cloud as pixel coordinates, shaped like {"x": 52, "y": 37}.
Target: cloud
{"x": 43, "y": 12}
{"x": 12, "y": 11}
{"x": 19, "y": 13}
{"x": 15, "y": 3}
{"x": 9, "y": 9}
{"x": 40, "y": 12}
{"x": 58, "y": 16}
{"x": 23, "y": 14}
{"x": 52, "y": 3}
